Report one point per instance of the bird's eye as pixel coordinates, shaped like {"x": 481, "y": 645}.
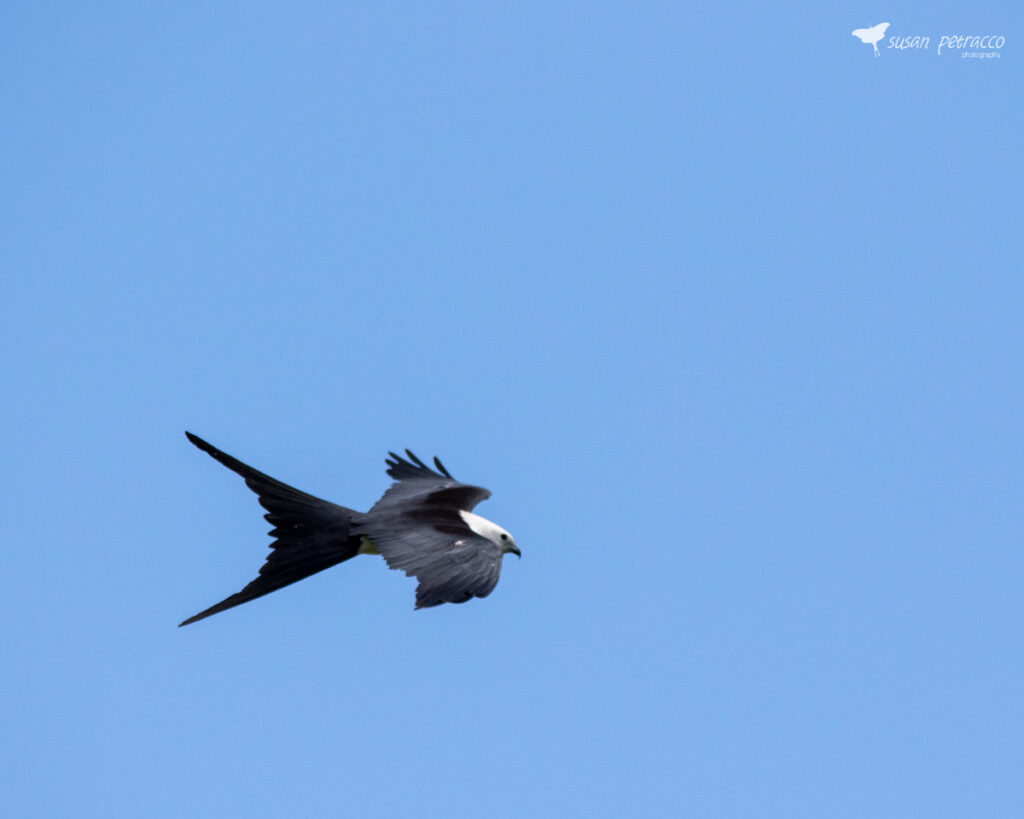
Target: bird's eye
{"x": 504, "y": 536}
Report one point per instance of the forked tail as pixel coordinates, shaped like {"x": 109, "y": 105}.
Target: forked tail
{"x": 311, "y": 534}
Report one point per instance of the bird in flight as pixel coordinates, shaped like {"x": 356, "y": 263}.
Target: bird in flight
{"x": 871, "y": 36}
{"x": 423, "y": 524}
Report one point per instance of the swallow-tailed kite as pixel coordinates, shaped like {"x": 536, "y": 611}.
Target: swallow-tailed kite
{"x": 424, "y": 524}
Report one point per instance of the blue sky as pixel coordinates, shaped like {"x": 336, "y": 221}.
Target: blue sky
{"x": 725, "y": 310}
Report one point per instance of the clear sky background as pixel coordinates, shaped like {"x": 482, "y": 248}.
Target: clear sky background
{"x": 726, "y": 311}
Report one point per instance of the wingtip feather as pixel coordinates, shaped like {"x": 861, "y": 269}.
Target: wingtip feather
{"x": 441, "y": 469}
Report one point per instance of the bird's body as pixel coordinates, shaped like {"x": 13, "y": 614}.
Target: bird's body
{"x": 871, "y": 36}
{"x": 423, "y": 524}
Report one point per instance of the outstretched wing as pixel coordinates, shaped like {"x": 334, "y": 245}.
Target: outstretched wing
{"x": 418, "y": 484}
{"x": 416, "y": 526}
{"x": 451, "y": 563}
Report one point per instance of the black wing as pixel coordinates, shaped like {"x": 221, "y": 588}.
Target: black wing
{"x": 418, "y": 484}
{"x": 451, "y": 562}
{"x": 417, "y": 528}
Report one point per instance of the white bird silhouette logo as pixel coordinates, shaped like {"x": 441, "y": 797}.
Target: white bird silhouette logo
{"x": 871, "y": 36}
